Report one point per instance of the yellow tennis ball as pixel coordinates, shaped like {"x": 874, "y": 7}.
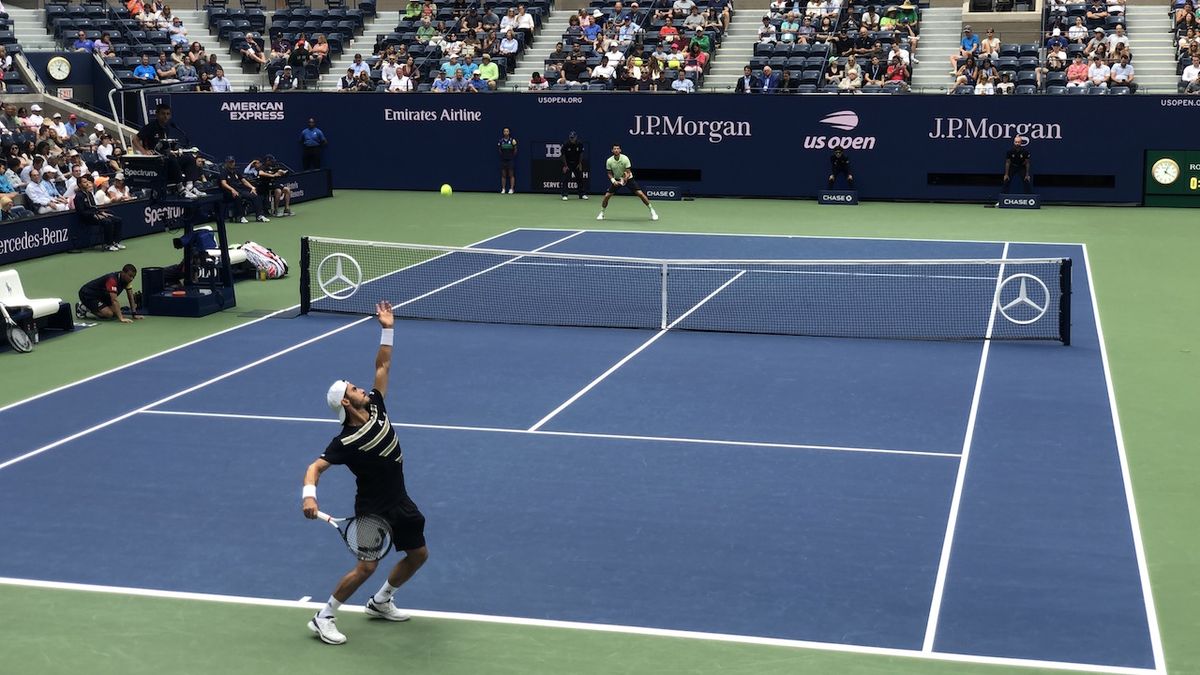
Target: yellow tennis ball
{"x": 447, "y": 190}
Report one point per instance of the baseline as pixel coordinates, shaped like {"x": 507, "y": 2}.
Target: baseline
{"x": 595, "y": 627}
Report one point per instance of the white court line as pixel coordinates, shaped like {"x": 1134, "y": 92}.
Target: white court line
{"x": 572, "y": 434}
{"x": 225, "y": 375}
{"x": 1139, "y": 550}
{"x": 744, "y": 263}
{"x": 939, "y": 586}
{"x": 633, "y": 353}
{"x": 753, "y": 235}
{"x": 593, "y": 627}
{"x": 110, "y": 371}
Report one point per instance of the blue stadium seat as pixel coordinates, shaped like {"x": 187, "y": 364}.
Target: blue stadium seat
{"x": 1026, "y": 89}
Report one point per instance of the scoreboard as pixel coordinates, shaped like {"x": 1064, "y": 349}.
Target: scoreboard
{"x": 1172, "y": 178}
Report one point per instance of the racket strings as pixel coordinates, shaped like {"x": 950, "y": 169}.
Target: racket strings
{"x": 369, "y": 537}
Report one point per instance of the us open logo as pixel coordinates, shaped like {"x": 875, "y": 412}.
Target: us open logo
{"x": 841, "y": 120}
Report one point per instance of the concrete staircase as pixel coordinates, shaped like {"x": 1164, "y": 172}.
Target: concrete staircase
{"x": 737, "y": 47}
{"x": 383, "y": 22}
{"x": 195, "y": 21}
{"x": 941, "y": 32}
{"x": 1152, "y": 44}
{"x": 534, "y": 58}
{"x": 29, "y": 25}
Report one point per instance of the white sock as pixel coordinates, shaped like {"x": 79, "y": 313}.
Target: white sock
{"x": 650, "y": 206}
{"x": 330, "y": 607}
{"x": 385, "y": 593}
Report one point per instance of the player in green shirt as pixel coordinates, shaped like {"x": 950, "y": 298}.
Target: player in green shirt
{"x": 620, "y": 175}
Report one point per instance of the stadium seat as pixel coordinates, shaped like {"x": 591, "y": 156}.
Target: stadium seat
{"x": 1026, "y": 89}
{"x": 1027, "y": 77}
{"x": 964, "y": 90}
{"x": 1058, "y": 79}
{"x": 1097, "y": 91}
{"x": 1076, "y": 91}
{"x": 1119, "y": 91}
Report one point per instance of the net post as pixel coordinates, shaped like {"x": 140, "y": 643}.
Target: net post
{"x": 305, "y": 280}
{"x": 1064, "y": 303}
{"x": 663, "y": 323}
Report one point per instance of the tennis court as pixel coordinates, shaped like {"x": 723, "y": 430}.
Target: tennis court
{"x": 957, "y": 499}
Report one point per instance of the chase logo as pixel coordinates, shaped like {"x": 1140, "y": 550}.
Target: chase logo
{"x": 846, "y": 120}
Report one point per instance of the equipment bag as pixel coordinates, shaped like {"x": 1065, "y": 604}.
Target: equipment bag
{"x": 265, "y": 260}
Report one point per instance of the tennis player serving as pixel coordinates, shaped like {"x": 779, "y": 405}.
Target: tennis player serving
{"x": 368, "y": 446}
{"x": 621, "y": 175}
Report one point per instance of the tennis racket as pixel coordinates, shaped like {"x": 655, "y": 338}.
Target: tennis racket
{"x": 368, "y": 537}
{"x": 17, "y": 337}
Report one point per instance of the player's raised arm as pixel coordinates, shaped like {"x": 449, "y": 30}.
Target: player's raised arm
{"x": 383, "y": 359}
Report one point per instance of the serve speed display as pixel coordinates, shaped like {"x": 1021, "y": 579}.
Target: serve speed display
{"x": 1172, "y": 178}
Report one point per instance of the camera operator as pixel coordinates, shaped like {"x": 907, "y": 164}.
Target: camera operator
{"x": 156, "y": 139}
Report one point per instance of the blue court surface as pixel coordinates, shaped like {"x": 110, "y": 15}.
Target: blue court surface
{"x": 890, "y": 496}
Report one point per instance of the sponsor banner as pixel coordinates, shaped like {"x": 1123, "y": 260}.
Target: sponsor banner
{"x": 838, "y": 197}
{"x": 706, "y": 145}
{"x": 663, "y": 193}
{"x": 54, "y": 233}
{"x": 1019, "y": 202}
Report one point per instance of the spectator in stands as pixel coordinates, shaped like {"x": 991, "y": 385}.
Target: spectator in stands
{"x": 985, "y": 77}
{"x": 613, "y": 54}
{"x": 1077, "y": 72}
{"x": 178, "y": 55}
{"x": 82, "y": 43}
{"x": 284, "y": 81}
{"x": 458, "y": 83}
{"x": 770, "y": 81}
{"x": 1056, "y": 41}
{"x": 1078, "y": 33}
{"x": 320, "y": 51}
{"x": 476, "y": 84}
{"x": 907, "y": 31}
{"x": 1185, "y": 17}
{"x": 1097, "y": 12}
{"x": 5, "y": 60}
{"x": 412, "y": 10}
{"x": 470, "y": 44}
{"x": 204, "y": 83}
{"x": 196, "y": 55}
{"x": 968, "y": 47}
{"x": 869, "y": 19}
{"x": 8, "y": 190}
{"x": 177, "y": 32}
{"x": 537, "y": 82}
{"x": 696, "y": 61}
{"x": 575, "y": 70}
{"x": 387, "y": 71}
{"x": 694, "y": 19}
{"x": 219, "y": 82}
{"x": 851, "y": 76}
{"x": 1191, "y": 73}
{"x": 875, "y": 72}
{"x": 1187, "y": 40}
{"x": 1121, "y": 74}
{"x": 402, "y": 83}
{"x": 1118, "y": 37}
{"x": 101, "y": 296}
{"x": 490, "y": 43}
{"x": 681, "y": 8}
{"x": 36, "y": 164}
{"x": 145, "y": 71}
{"x": 58, "y": 126}
{"x": 12, "y": 174}
{"x": 440, "y": 84}
{"x": 525, "y": 22}
{"x": 185, "y": 72}
{"x": 966, "y": 73}
{"x": 14, "y": 153}
{"x": 682, "y": 85}
{"x": 827, "y": 33}
{"x": 211, "y": 66}
{"x": 43, "y": 195}
{"x": 448, "y": 67}
{"x": 6, "y": 209}
{"x": 1097, "y": 43}
{"x": 239, "y": 193}
{"x": 898, "y": 52}
{"x": 1098, "y": 74}
{"x": 509, "y": 20}
{"x": 701, "y": 40}
{"x": 299, "y": 59}
{"x": 864, "y": 44}
{"x": 252, "y": 53}
{"x": 748, "y": 83}
{"x": 990, "y": 44}
{"x": 489, "y": 20}
{"x": 1116, "y": 8}
{"x": 603, "y": 73}
{"x": 488, "y": 70}
{"x": 652, "y": 76}
{"x": 1056, "y": 7}
{"x": 164, "y": 69}
{"x": 587, "y": 34}
{"x": 509, "y": 45}
{"x": 425, "y": 31}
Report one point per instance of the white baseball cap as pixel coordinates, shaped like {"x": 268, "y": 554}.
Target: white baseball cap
{"x": 36, "y": 108}
{"x": 337, "y": 392}
{"x": 99, "y": 127}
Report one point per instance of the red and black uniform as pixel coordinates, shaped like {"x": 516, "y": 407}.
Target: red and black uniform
{"x": 95, "y": 294}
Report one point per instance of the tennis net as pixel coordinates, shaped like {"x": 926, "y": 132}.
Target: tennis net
{"x": 1010, "y": 299}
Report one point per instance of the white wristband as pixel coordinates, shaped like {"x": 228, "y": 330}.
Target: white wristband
{"x": 309, "y": 491}
{"x": 385, "y": 337}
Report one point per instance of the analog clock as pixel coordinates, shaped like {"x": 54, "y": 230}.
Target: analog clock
{"x": 59, "y": 68}
{"x": 1165, "y": 171}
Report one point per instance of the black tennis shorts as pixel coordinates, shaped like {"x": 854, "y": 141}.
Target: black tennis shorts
{"x": 630, "y": 184}
{"x": 506, "y": 164}
{"x": 93, "y": 303}
{"x": 407, "y": 523}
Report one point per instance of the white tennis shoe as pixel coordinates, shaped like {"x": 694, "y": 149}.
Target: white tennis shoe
{"x": 326, "y": 629}
{"x": 601, "y": 216}
{"x": 385, "y": 611}
{"x": 653, "y": 215}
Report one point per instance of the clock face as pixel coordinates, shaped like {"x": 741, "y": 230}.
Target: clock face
{"x": 1165, "y": 171}
{"x": 59, "y": 68}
